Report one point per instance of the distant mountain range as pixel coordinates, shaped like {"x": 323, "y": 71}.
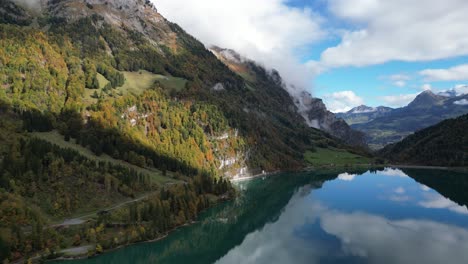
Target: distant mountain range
{"x": 384, "y": 125}
{"x": 364, "y": 114}
{"x": 445, "y": 144}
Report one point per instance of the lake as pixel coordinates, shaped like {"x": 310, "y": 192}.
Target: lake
{"x": 386, "y": 216}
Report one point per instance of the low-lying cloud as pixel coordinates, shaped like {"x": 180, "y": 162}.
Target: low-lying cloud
{"x": 342, "y": 101}
{"x": 267, "y": 31}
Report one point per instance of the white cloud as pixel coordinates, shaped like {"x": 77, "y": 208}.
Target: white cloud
{"x": 461, "y": 89}
{"x": 267, "y": 31}
{"x": 461, "y": 102}
{"x": 426, "y": 87}
{"x": 457, "y": 73}
{"x": 439, "y": 202}
{"x": 400, "y": 190}
{"x": 399, "y": 198}
{"x": 393, "y": 172}
{"x": 425, "y": 188}
{"x": 400, "y": 83}
{"x": 398, "y": 100}
{"x": 383, "y": 240}
{"x": 399, "y": 80}
{"x": 342, "y": 101}
{"x": 403, "y": 30}
{"x": 400, "y": 77}
{"x": 346, "y": 176}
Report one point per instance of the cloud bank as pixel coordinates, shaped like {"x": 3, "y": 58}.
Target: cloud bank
{"x": 267, "y": 31}
{"x": 342, "y": 101}
{"x": 398, "y": 30}
{"x": 457, "y": 73}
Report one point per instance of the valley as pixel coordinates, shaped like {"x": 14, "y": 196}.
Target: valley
{"x": 384, "y": 125}
{"x": 124, "y": 138}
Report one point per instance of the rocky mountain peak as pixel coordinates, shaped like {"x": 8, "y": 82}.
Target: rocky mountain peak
{"x": 125, "y": 15}
{"x": 362, "y": 109}
{"x": 318, "y": 116}
{"x": 426, "y": 99}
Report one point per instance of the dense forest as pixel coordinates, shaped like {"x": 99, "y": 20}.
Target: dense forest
{"x": 445, "y": 144}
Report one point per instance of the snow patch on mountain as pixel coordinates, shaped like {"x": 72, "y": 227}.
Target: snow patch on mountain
{"x": 458, "y": 90}
{"x": 363, "y": 110}
{"x": 461, "y": 102}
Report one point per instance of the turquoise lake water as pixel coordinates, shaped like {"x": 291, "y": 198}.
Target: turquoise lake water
{"x": 387, "y": 216}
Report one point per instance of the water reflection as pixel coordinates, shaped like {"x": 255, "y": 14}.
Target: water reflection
{"x": 386, "y": 216}
{"x": 346, "y": 176}
{"x": 439, "y": 202}
{"x": 310, "y": 232}
{"x": 381, "y": 240}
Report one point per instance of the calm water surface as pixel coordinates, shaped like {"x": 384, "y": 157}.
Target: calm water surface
{"x": 387, "y": 216}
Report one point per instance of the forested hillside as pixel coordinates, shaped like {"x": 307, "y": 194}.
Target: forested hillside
{"x": 96, "y": 111}
{"x": 445, "y": 144}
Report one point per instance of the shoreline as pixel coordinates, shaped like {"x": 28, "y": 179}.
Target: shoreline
{"x": 110, "y": 250}
{"x": 86, "y": 256}
{"x": 424, "y": 167}
{"x": 241, "y": 179}
{"x": 246, "y": 178}
{"x": 395, "y": 166}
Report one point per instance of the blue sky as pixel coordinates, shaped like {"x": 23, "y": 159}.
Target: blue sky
{"x": 348, "y": 52}
{"x": 372, "y": 83}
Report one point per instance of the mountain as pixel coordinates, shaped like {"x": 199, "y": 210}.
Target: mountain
{"x": 445, "y": 144}
{"x": 456, "y": 91}
{"x": 425, "y": 100}
{"x": 425, "y": 110}
{"x": 364, "y": 114}
{"x": 104, "y": 102}
{"x": 317, "y": 115}
{"x": 313, "y": 110}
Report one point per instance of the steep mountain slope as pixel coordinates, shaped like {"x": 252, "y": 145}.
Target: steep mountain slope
{"x": 108, "y": 37}
{"x": 318, "y": 116}
{"x": 445, "y": 144}
{"x": 427, "y": 109}
{"x": 364, "y": 114}
{"x": 313, "y": 110}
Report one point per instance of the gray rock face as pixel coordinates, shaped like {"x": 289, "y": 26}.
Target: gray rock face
{"x": 317, "y": 115}
{"x": 133, "y": 15}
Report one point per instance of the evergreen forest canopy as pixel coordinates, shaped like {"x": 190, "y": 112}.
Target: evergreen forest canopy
{"x": 445, "y": 144}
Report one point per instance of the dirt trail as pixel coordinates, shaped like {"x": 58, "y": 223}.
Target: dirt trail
{"x": 82, "y": 219}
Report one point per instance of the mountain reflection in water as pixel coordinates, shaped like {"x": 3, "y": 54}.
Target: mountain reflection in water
{"x": 386, "y": 216}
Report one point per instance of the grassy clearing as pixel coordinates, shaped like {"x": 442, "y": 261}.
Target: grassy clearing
{"x": 55, "y": 138}
{"x": 102, "y": 80}
{"x": 334, "y": 157}
{"x": 137, "y": 82}
{"x": 88, "y": 96}
{"x": 172, "y": 83}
